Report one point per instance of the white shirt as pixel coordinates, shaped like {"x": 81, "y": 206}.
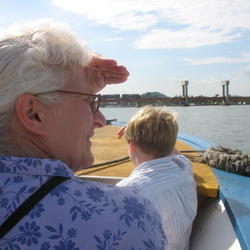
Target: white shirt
{"x": 168, "y": 182}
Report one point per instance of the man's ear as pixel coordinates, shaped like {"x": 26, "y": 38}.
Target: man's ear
{"x": 30, "y": 113}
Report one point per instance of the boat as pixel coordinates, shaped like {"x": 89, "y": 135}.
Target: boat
{"x": 223, "y": 217}
{"x": 222, "y": 222}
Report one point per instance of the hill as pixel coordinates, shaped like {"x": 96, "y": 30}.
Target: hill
{"x": 153, "y": 95}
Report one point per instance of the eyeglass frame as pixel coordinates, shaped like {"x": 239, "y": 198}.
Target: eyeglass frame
{"x": 94, "y": 105}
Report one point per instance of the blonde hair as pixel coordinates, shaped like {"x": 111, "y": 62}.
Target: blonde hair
{"x": 154, "y": 130}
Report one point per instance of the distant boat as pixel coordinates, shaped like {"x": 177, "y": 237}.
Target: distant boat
{"x": 223, "y": 218}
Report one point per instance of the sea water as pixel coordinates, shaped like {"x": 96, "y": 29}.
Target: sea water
{"x": 225, "y": 125}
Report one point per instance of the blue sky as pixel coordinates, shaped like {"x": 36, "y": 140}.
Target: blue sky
{"x": 161, "y": 42}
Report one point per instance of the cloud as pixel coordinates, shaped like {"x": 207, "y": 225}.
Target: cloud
{"x": 185, "y": 38}
{"x": 130, "y": 21}
{"x": 245, "y": 71}
{"x": 194, "y": 81}
{"x": 122, "y": 14}
{"x": 111, "y": 39}
{"x": 211, "y": 22}
{"x": 245, "y": 58}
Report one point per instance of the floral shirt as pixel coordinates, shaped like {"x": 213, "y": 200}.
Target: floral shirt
{"x": 75, "y": 215}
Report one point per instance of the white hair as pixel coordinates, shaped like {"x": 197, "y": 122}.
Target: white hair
{"x": 36, "y": 58}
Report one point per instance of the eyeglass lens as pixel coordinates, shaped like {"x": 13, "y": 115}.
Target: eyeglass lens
{"x": 94, "y": 103}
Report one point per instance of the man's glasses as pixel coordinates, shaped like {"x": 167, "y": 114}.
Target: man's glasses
{"x": 94, "y": 100}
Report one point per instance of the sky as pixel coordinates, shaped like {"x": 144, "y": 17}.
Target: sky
{"x": 161, "y": 42}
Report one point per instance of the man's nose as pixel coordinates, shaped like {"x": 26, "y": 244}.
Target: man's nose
{"x": 99, "y": 120}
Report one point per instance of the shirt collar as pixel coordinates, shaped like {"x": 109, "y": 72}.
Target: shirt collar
{"x": 34, "y": 166}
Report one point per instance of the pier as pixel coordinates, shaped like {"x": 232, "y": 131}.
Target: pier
{"x": 182, "y": 100}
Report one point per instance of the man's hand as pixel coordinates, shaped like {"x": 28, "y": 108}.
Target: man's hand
{"x": 102, "y": 71}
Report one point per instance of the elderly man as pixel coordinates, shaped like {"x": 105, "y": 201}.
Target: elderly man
{"x": 48, "y": 113}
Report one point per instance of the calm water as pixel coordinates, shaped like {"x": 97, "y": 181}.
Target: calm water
{"x": 225, "y": 125}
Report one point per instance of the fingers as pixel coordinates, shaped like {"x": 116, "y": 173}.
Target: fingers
{"x": 112, "y": 72}
{"x": 97, "y": 59}
{"x": 99, "y": 77}
{"x": 116, "y": 74}
{"x": 121, "y": 132}
{"x": 102, "y": 71}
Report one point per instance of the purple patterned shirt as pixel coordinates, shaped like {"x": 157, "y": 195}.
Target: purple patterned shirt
{"x": 75, "y": 215}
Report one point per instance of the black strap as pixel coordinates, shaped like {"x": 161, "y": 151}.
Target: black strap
{"x": 28, "y": 204}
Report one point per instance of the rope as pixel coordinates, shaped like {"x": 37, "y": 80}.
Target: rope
{"x": 227, "y": 159}
{"x": 109, "y": 162}
{"x": 126, "y": 158}
{"x": 192, "y": 151}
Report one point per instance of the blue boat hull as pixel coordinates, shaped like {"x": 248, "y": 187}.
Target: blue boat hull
{"x": 234, "y": 193}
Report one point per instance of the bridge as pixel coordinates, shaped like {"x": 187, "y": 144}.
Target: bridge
{"x": 185, "y": 101}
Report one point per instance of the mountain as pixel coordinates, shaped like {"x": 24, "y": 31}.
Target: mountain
{"x": 153, "y": 95}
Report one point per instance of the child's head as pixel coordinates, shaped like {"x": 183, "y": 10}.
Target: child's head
{"x": 154, "y": 130}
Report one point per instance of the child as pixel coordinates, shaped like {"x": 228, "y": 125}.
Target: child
{"x": 162, "y": 175}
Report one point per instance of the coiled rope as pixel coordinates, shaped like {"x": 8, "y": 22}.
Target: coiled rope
{"x": 227, "y": 159}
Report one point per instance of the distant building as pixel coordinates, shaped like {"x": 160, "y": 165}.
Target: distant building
{"x": 111, "y": 97}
